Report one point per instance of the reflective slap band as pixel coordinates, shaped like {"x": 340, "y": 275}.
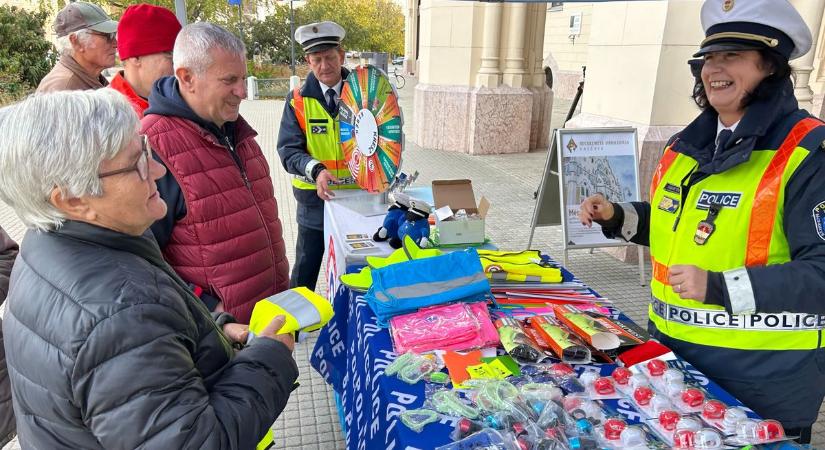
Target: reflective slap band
{"x": 631, "y": 221}
{"x": 308, "y": 168}
{"x": 740, "y": 291}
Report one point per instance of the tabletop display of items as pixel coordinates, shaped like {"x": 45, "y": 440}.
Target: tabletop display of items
{"x": 371, "y": 125}
{"x": 574, "y": 373}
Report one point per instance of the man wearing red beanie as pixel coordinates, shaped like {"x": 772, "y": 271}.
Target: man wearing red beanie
{"x": 146, "y": 35}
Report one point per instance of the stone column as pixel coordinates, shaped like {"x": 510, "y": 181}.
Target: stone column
{"x": 542, "y": 95}
{"x": 811, "y": 11}
{"x": 489, "y": 75}
{"x": 514, "y": 71}
{"x": 410, "y": 36}
{"x": 537, "y": 15}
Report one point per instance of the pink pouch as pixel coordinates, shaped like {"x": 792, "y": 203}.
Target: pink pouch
{"x": 488, "y": 335}
{"x": 458, "y": 326}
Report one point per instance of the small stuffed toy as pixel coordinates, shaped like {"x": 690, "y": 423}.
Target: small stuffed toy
{"x": 416, "y": 224}
{"x": 396, "y": 215}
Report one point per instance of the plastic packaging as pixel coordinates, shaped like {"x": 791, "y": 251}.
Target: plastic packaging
{"x": 713, "y": 410}
{"x": 707, "y": 439}
{"x": 613, "y": 428}
{"x": 447, "y": 327}
{"x": 416, "y": 419}
{"x": 496, "y": 395}
{"x": 633, "y": 438}
{"x": 656, "y": 367}
{"x": 621, "y": 375}
{"x": 448, "y": 402}
{"x": 516, "y": 341}
{"x": 588, "y": 328}
{"x": 732, "y": 418}
{"x": 412, "y": 368}
{"x": 569, "y": 348}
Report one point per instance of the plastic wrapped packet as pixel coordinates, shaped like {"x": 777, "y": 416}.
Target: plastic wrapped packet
{"x": 538, "y": 395}
{"x": 516, "y": 341}
{"x": 566, "y": 346}
{"x": 438, "y": 327}
{"x": 416, "y": 419}
{"x": 412, "y": 368}
{"x": 448, "y": 402}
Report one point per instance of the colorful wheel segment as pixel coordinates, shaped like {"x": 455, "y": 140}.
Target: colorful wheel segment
{"x": 371, "y": 123}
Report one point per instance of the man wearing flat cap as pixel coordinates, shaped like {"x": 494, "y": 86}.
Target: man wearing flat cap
{"x": 308, "y": 143}
{"x": 86, "y": 40}
{"x": 146, "y": 35}
{"x": 736, "y": 219}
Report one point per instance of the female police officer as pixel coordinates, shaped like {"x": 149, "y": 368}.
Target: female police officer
{"x": 736, "y": 219}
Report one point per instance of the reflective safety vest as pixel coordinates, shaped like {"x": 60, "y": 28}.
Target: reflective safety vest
{"x": 523, "y": 266}
{"x": 748, "y": 232}
{"x": 303, "y": 309}
{"x": 323, "y": 141}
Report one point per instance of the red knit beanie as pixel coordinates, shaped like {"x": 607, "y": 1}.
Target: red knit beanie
{"x": 146, "y": 29}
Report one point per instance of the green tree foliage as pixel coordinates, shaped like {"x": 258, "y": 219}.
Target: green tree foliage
{"x": 25, "y": 54}
{"x": 372, "y": 25}
{"x": 270, "y": 37}
{"x": 216, "y": 11}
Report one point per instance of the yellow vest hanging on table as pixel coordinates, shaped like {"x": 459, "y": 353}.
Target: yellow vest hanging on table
{"x": 323, "y": 140}
{"x": 726, "y": 221}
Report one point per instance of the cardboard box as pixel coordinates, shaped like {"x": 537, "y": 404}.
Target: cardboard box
{"x": 450, "y": 196}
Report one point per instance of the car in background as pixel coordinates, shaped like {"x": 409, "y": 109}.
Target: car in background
{"x": 398, "y": 60}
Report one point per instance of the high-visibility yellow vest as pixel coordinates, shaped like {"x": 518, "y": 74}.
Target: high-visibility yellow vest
{"x": 523, "y": 266}
{"x": 748, "y": 232}
{"x": 323, "y": 140}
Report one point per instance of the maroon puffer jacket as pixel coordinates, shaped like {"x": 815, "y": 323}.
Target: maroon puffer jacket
{"x": 230, "y": 242}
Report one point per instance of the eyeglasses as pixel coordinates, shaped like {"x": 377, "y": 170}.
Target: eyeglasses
{"x": 108, "y": 36}
{"x": 141, "y": 166}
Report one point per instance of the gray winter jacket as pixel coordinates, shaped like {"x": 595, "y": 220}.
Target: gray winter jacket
{"x": 8, "y": 251}
{"x": 108, "y": 348}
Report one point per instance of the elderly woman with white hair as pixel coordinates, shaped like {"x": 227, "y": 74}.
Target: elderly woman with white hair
{"x": 87, "y": 43}
{"x": 106, "y": 346}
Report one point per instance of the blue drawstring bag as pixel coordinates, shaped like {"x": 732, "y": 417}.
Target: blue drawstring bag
{"x": 405, "y": 287}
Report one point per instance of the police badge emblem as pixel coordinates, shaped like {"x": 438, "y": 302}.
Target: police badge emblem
{"x": 819, "y": 220}
{"x": 706, "y": 227}
{"x": 669, "y": 204}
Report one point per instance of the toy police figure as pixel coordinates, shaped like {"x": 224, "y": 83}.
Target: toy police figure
{"x": 308, "y": 143}
{"x": 735, "y": 219}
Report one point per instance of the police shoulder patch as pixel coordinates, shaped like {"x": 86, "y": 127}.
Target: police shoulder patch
{"x": 819, "y": 220}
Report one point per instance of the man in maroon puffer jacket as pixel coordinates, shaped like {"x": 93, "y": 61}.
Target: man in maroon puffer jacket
{"x": 221, "y": 233}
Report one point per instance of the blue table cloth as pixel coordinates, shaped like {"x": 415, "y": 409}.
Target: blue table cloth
{"x": 351, "y": 354}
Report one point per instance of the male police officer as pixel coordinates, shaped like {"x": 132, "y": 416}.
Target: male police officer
{"x": 308, "y": 143}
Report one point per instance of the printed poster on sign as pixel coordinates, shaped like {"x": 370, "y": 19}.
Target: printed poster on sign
{"x": 595, "y": 161}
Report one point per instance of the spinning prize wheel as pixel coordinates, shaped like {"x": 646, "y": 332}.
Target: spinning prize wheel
{"x": 370, "y": 128}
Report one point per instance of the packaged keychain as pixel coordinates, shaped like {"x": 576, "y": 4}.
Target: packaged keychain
{"x": 516, "y": 341}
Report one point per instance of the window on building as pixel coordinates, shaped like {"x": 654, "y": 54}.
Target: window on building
{"x": 556, "y": 6}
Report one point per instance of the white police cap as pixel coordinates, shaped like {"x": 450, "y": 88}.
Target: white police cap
{"x": 753, "y": 25}
{"x": 319, "y": 36}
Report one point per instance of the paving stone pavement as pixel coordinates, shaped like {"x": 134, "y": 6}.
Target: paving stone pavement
{"x": 310, "y": 420}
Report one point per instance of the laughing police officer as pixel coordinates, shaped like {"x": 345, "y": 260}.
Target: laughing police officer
{"x": 308, "y": 143}
{"x": 736, "y": 220}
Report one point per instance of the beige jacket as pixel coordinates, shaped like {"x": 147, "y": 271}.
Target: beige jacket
{"x": 68, "y": 75}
